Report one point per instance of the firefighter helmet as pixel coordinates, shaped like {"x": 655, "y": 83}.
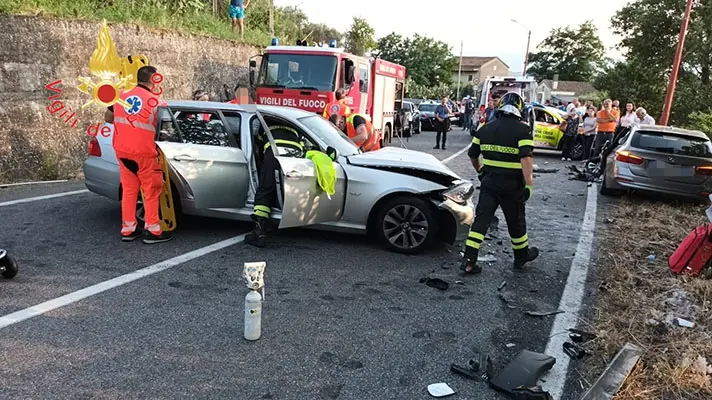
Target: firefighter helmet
{"x": 511, "y": 103}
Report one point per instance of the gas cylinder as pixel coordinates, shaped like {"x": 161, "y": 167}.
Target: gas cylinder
{"x": 253, "y": 315}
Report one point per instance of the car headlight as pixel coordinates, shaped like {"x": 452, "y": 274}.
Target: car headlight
{"x": 460, "y": 193}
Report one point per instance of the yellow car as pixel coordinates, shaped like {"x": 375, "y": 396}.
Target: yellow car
{"x": 547, "y": 134}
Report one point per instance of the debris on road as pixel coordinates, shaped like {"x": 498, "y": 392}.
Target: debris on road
{"x": 440, "y": 389}
{"x": 502, "y": 285}
{"x": 683, "y": 323}
{"x": 436, "y": 283}
{"x": 579, "y": 336}
{"x": 522, "y": 372}
{"x": 545, "y": 170}
{"x": 510, "y": 345}
{"x": 488, "y": 258}
{"x": 543, "y": 313}
{"x": 651, "y": 257}
{"x": 507, "y": 300}
{"x": 615, "y": 374}
{"x": 545, "y": 198}
{"x": 574, "y": 351}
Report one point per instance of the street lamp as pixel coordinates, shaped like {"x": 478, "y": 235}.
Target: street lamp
{"x": 529, "y": 38}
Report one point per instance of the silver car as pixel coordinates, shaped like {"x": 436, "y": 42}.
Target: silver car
{"x": 407, "y": 199}
{"x": 660, "y": 159}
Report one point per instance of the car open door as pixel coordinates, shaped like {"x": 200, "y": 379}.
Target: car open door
{"x": 203, "y": 151}
{"x": 303, "y": 201}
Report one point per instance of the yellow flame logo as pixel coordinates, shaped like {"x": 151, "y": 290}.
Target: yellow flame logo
{"x": 106, "y": 65}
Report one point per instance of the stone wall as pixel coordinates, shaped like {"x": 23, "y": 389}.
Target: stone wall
{"x": 36, "y": 51}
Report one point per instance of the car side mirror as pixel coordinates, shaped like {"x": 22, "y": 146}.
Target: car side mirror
{"x": 332, "y": 153}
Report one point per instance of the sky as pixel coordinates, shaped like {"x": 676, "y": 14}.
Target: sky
{"x": 466, "y": 21}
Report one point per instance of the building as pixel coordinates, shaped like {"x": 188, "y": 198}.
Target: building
{"x": 476, "y": 69}
{"x": 565, "y": 91}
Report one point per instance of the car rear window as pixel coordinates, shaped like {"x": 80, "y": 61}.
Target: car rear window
{"x": 428, "y": 107}
{"x": 672, "y": 144}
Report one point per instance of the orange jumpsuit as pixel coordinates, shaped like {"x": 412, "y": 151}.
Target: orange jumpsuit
{"x": 135, "y": 146}
{"x": 337, "y": 107}
{"x": 371, "y": 143}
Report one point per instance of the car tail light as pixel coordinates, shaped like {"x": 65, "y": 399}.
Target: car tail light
{"x": 704, "y": 170}
{"x": 627, "y": 157}
{"x": 94, "y": 149}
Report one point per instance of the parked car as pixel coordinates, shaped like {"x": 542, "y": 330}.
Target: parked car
{"x": 406, "y": 199}
{"x": 660, "y": 159}
{"x": 410, "y": 117}
{"x": 547, "y": 134}
{"x": 427, "y": 114}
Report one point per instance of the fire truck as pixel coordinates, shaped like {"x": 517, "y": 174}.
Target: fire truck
{"x": 306, "y": 77}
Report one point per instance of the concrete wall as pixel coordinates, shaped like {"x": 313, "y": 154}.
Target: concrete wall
{"x": 495, "y": 67}
{"x": 36, "y": 51}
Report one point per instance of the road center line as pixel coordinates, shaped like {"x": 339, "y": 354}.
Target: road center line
{"x": 81, "y": 294}
{"x": 571, "y": 299}
{"x": 45, "y": 197}
{"x": 454, "y": 156}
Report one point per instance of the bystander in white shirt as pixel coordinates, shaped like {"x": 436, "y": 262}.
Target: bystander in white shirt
{"x": 628, "y": 120}
{"x": 642, "y": 117}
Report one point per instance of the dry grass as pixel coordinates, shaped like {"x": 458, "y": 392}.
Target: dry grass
{"x": 633, "y": 293}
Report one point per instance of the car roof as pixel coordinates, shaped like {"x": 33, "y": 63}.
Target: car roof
{"x": 673, "y": 130}
{"x": 289, "y": 112}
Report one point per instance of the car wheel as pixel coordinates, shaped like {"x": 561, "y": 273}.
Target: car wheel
{"x": 8, "y": 266}
{"x": 577, "y": 149}
{"x": 406, "y": 224}
{"x": 606, "y": 191}
{"x": 408, "y": 130}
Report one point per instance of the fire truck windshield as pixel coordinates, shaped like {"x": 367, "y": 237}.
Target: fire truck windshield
{"x": 298, "y": 71}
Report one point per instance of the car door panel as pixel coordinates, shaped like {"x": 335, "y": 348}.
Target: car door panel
{"x": 304, "y": 202}
{"x": 216, "y": 176}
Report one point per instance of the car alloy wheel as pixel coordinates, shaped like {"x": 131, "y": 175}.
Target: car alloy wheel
{"x": 405, "y": 226}
{"x": 577, "y": 150}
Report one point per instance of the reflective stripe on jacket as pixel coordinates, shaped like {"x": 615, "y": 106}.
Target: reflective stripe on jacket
{"x": 135, "y": 127}
{"x": 284, "y": 136}
{"x": 371, "y": 143}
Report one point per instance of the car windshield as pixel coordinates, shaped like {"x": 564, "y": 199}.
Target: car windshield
{"x": 672, "y": 144}
{"x": 428, "y": 107}
{"x": 298, "y": 71}
{"x": 329, "y": 134}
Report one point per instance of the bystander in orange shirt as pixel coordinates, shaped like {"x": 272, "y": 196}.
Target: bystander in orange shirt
{"x": 607, "y": 127}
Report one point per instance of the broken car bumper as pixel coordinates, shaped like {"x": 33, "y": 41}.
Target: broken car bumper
{"x": 463, "y": 215}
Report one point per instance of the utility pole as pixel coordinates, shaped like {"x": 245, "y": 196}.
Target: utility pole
{"x": 271, "y": 18}
{"x": 676, "y": 65}
{"x": 526, "y": 56}
{"x": 459, "y": 72}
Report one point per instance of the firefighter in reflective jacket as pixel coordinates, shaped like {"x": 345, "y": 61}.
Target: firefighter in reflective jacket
{"x": 358, "y": 129}
{"x": 135, "y": 147}
{"x": 506, "y": 178}
{"x": 289, "y": 143}
{"x": 337, "y": 107}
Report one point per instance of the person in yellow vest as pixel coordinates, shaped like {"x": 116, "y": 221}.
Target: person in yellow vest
{"x": 359, "y": 129}
{"x": 337, "y": 107}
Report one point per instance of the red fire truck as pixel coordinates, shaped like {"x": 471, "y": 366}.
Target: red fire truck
{"x": 307, "y": 77}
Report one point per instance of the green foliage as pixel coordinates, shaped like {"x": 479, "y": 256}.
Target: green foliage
{"x": 650, "y": 29}
{"x": 574, "y": 54}
{"x": 428, "y": 61}
{"x": 418, "y": 91}
{"x": 466, "y": 89}
{"x": 701, "y": 120}
{"x": 359, "y": 37}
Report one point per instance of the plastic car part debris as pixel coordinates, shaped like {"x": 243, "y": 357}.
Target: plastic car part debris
{"x": 535, "y": 393}
{"x": 523, "y": 371}
{"x": 468, "y": 373}
{"x": 684, "y": 323}
{"x": 573, "y": 351}
{"x": 502, "y": 285}
{"x": 487, "y": 258}
{"x": 581, "y": 336}
{"x": 615, "y": 374}
{"x": 542, "y": 313}
{"x": 440, "y": 390}
{"x": 437, "y": 283}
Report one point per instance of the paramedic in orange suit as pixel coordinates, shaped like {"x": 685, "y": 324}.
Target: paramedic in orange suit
{"x": 338, "y": 107}
{"x": 136, "y": 151}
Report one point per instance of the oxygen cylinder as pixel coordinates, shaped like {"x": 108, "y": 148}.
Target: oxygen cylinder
{"x": 253, "y": 315}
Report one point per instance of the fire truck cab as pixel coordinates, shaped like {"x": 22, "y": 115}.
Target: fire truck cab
{"x": 307, "y": 78}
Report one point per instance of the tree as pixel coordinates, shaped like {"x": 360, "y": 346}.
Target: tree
{"x": 428, "y": 62}
{"x": 359, "y": 37}
{"x": 649, "y": 29}
{"x": 321, "y": 33}
{"x": 574, "y": 54}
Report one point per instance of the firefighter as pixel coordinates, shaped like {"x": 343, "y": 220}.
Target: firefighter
{"x": 359, "y": 129}
{"x": 338, "y": 107}
{"x": 506, "y": 176}
{"x": 290, "y": 143}
{"x": 135, "y": 148}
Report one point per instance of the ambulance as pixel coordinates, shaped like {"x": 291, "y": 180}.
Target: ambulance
{"x": 499, "y": 85}
{"x": 306, "y": 77}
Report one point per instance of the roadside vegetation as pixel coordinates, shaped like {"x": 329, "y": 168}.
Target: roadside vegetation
{"x": 638, "y": 298}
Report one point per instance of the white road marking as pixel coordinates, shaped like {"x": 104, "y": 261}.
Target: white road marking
{"x": 454, "y": 156}
{"x": 571, "y": 299}
{"x": 81, "y": 294}
{"x": 49, "y": 196}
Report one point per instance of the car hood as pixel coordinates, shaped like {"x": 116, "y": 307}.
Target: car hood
{"x": 405, "y": 161}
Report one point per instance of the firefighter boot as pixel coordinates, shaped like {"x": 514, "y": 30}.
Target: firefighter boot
{"x": 470, "y": 267}
{"x": 258, "y": 236}
{"x": 525, "y": 255}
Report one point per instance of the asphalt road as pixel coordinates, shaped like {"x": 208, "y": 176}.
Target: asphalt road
{"x": 342, "y": 319}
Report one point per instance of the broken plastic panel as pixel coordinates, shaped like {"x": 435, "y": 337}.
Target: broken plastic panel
{"x": 523, "y": 371}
